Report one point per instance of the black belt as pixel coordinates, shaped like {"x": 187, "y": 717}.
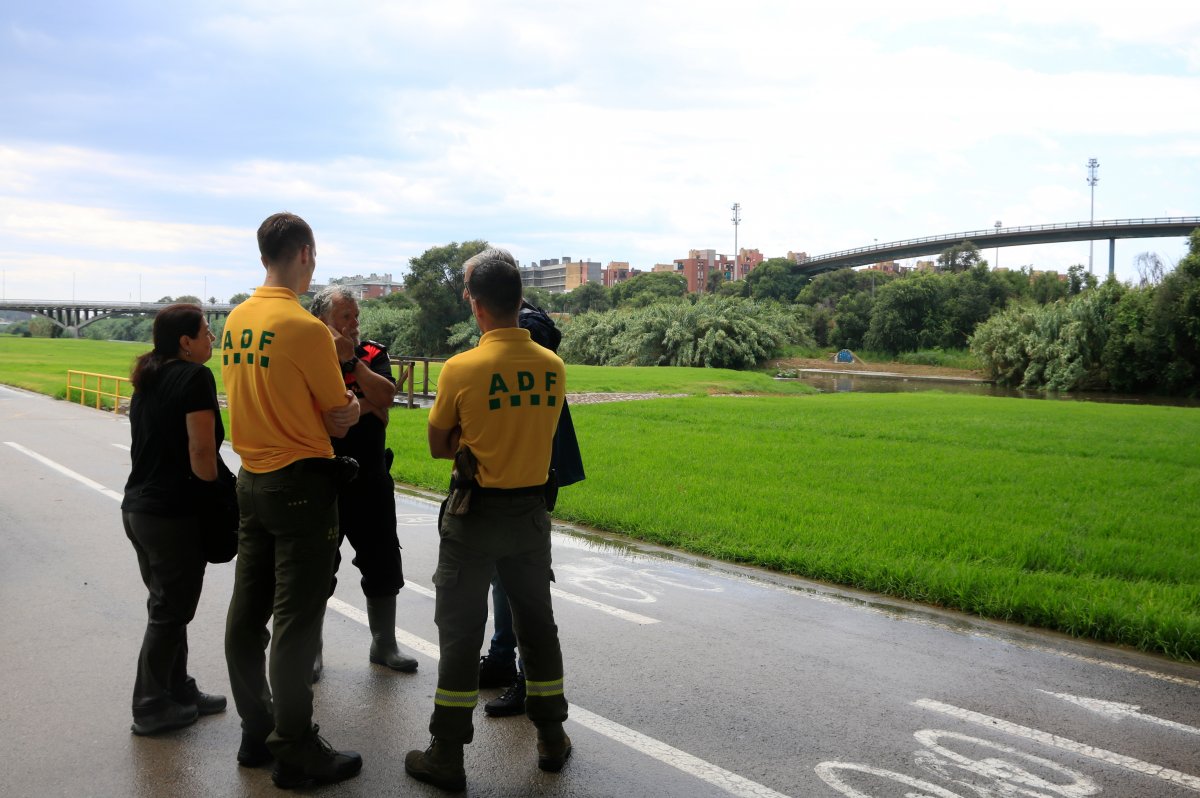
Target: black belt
{"x": 532, "y": 490}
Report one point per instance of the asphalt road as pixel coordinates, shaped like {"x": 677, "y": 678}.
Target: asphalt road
{"x": 686, "y": 677}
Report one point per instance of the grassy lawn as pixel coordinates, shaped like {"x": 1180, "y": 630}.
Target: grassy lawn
{"x": 1074, "y": 516}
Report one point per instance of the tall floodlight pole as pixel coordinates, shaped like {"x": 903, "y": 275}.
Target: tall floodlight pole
{"x": 737, "y": 219}
{"x": 997, "y": 266}
{"x": 1092, "y": 180}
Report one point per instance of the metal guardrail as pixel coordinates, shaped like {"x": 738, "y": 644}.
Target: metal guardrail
{"x": 98, "y": 389}
{"x": 408, "y": 377}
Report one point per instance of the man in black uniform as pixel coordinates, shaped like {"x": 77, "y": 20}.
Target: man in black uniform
{"x": 367, "y": 506}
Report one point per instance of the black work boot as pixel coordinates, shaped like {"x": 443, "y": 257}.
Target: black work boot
{"x": 206, "y": 703}
{"x": 441, "y": 764}
{"x": 554, "y": 747}
{"x": 315, "y": 762}
{"x": 510, "y": 702}
{"x": 173, "y": 715}
{"x": 495, "y": 672}
{"x": 381, "y": 616}
{"x": 253, "y": 751}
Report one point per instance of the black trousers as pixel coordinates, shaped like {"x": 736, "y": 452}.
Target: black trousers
{"x": 172, "y": 563}
{"x": 288, "y": 534}
{"x": 367, "y": 517}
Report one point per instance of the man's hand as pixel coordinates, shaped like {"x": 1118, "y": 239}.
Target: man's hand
{"x": 343, "y": 345}
{"x": 339, "y": 420}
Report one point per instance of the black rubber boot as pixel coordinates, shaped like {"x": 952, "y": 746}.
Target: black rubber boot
{"x": 381, "y": 616}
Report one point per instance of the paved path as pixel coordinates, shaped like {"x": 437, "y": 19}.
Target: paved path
{"x": 687, "y": 678}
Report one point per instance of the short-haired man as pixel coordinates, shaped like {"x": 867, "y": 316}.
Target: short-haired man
{"x": 501, "y": 401}
{"x": 367, "y": 506}
{"x": 286, "y": 398}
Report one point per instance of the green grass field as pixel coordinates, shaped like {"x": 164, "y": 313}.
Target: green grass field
{"x": 1071, "y": 516}
{"x": 1074, "y": 516}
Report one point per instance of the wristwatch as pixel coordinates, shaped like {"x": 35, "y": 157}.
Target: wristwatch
{"x": 348, "y": 365}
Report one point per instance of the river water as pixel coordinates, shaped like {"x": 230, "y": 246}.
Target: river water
{"x": 852, "y": 383}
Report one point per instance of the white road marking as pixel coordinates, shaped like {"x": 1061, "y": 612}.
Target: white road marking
{"x": 418, "y": 589}
{"x": 1053, "y": 740}
{"x": 415, "y": 519}
{"x": 46, "y": 461}
{"x": 1115, "y": 710}
{"x": 723, "y": 779}
{"x": 616, "y": 612}
{"x": 123, "y": 446}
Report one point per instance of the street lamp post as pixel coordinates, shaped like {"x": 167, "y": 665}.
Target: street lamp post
{"x": 737, "y": 219}
{"x": 998, "y": 226}
{"x": 1092, "y": 180}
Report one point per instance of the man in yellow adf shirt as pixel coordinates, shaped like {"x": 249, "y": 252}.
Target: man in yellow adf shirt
{"x": 286, "y": 397}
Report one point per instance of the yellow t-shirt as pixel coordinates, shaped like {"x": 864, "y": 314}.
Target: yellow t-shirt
{"x": 281, "y": 372}
{"x": 506, "y": 395}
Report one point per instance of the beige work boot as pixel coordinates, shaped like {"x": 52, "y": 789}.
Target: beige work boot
{"x": 441, "y": 764}
{"x": 554, "y": 747}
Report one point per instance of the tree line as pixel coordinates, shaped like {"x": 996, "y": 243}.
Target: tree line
{"x": 1026, "y": 328}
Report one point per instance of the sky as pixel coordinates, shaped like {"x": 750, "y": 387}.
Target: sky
{"x": 141, "y": 144}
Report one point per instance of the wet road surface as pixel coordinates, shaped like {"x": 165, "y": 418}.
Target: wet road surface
{"x": 686, "y": 677}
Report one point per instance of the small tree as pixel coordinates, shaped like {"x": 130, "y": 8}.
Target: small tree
{"x": 958, "y": 258}
{"x": 589, "y": 297}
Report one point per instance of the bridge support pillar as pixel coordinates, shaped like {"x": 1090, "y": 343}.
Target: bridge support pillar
{"x": 1112, "y": 258}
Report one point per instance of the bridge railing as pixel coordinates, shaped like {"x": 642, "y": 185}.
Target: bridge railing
{"x": 95, "y": 388}
{"x": 993, "y": 231}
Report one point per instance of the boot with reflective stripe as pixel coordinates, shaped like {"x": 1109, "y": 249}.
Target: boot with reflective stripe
{"x": 381, "y": 616}
{"x": 441, "y": 764}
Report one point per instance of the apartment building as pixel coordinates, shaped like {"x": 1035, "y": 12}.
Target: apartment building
{"x": 618, "y": 272}
{"x": 699, "y": 264}
{"x": 558, "y": 275}
{"x": 747, "y": 260}
{"x": 373, "y": 286}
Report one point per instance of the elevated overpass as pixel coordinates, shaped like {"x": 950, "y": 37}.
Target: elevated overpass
{"x": 75, "y": 315}
{"x": 1181, "y": 226}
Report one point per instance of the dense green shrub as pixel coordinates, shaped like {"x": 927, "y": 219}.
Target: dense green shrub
{"x": 1057, "y": 347}
{"x": 714, "y": 331}
{"x": 394, "y": 327}
{"x": 1110, "y": 337}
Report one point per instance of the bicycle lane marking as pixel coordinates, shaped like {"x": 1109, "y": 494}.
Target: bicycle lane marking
{"x": 1063, "y": 743}
{"x": 682, "y": 761}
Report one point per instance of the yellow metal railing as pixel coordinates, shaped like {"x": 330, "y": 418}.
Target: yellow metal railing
{"x": 91, "y": 384}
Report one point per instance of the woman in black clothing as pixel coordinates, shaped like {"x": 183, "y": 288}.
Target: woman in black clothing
{"x": 177, "y": 432}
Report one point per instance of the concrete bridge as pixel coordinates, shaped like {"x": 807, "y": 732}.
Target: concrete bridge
{"x": 73, "y": 316}
{"x": 991, "y": 238}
